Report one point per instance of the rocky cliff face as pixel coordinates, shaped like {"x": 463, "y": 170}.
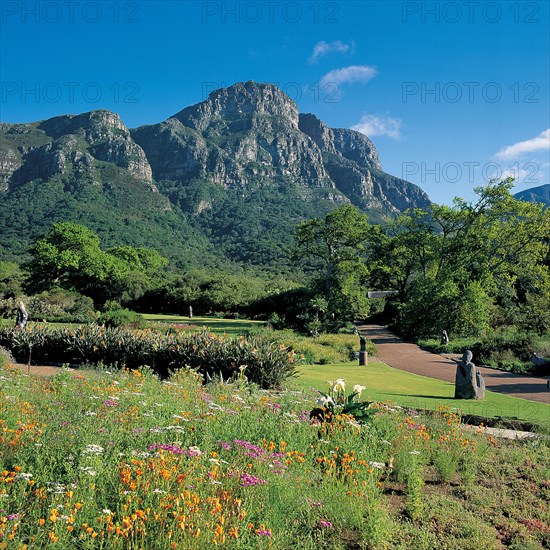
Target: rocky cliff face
{"x": 245, "y": 135}
{"x": 68, "y": 143}
{"x": 107, "y": 137}
{"x": 251, "y": 135}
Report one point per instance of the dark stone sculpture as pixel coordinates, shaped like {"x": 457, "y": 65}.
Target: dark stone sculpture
{"x": 469, "y": 383}
{"x": 444, "y": 338}
{"x": 541, "y": 366}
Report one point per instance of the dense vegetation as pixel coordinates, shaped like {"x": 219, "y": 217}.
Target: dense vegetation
{"x": 119, "y": 208}
{"x": 477, "y": 270}
{"x": 266, "y": 363}
{"x": 469, "y": 269}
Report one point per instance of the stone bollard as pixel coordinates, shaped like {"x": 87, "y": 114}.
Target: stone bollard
{"x": 363, "y": 356}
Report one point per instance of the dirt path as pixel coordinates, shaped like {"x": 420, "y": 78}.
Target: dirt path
{"x": 401, "y": 355}
{"x": 41, "y": 370}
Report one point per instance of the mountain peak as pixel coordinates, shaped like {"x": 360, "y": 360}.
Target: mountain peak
{"x": 240, "y": 100}
{"x": 539, "y": 194}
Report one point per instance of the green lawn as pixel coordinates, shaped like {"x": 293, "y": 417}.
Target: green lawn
{"x": 218, "y": 325}
{"x": 419, "y": 392}
{"x": 232, "y": 327}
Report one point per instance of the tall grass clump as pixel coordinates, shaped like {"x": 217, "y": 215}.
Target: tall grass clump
{"x": 216, "y": 356}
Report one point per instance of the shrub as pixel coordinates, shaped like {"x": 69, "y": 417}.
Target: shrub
{"x": 506, "y": 350}
{"x": 326, "y": 349}
{"x": 61, "y": 306}
{"x": 122, "y": 318}
{"x": 520, "y": 345}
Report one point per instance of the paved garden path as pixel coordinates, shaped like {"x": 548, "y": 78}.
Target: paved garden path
{"x": 401, "y": 355}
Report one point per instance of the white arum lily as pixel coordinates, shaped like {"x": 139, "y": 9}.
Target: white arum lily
{"x": 339, "y": 385}
{"x": 324, "y": 401}
{"x": 358, "y": 389}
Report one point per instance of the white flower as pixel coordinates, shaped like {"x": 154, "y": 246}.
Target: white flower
{"x": 339, "y": 385}
{"x": 378, "y": 465}
{"x": 414, "y": 452}
{"x": 358, "y": 389}
{"x": 324, "y": 401}
{"x": 93, "y": 450}
{"x": 107, "y": 512}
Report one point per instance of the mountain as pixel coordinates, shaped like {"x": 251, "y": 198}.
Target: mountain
{"x": 536, "y": 194}
{"x": 224, "y": 180}
{"x": 86, "y": 168}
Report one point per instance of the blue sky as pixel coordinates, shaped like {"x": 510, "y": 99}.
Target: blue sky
{"x": 451, "y": 93}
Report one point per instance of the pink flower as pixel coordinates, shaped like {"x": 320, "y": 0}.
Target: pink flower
{"x": 324, "y": 523}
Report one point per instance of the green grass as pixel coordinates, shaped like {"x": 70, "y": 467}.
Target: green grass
{"x": 218, "y": 325}
{"x": 231, "y": 327}
{"x": 420, "y": 392}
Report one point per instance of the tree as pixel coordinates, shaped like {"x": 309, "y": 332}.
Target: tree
{"x": 337, "y": 243}
{"x": 458, "y": 267}
{"x": 70, "y": 257}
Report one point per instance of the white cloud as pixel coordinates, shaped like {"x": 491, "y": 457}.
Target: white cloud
{"x": 347, "y": 75}
{"x": 538, "y": 143}
{"x": 322, "y": 48}
{"x": 379, "y": 125}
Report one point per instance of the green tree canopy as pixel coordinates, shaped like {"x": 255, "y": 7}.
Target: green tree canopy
{"x": 70, "y": 256}
{"x": 455, "y": 267}
{"x": 337, "y": 242}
